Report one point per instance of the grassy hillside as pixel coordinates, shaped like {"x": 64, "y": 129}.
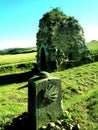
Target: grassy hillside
{"x": 79, "y": 94}
{"x": 93, "y": 47}
{"x": 79, "y": 89}
{"x": 18, "y": 58}
{"x": 17, "y": 63}
{"x": 17, "y": 50}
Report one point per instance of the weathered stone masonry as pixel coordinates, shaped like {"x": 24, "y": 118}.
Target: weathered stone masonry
{"x": 60, "y": 42}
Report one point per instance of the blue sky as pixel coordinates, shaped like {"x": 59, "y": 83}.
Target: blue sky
{"x": 19, "y": 19}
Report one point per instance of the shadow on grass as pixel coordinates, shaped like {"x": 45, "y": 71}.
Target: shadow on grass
{"x": 21, "y": 122}
{"x": 15, "y": 78}
{"x": 20, "y": 77}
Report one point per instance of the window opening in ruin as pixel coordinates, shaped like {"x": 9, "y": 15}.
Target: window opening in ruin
{"x": 70, "y": 57}
{"x": 43, "y": 59}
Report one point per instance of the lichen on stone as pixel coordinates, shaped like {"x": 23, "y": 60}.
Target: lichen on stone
{"x": 60, "y": 42}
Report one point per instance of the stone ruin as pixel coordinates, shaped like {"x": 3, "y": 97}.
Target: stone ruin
{"x": 60, "y": 42}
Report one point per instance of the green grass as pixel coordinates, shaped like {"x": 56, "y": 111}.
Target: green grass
{"x": 16, "y": 68}
{"x": 12, "y": 102}
{"x": 93, "y": 47}
{"x": 18, "y": 63}
{"x": 17, "y": 50}
{"x": 79, "y": 89}
{"x": 18, "y": 58}
{"x": 79, "y": 95}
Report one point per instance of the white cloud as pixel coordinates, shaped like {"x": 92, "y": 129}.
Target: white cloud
{"x": 17, "y": 43}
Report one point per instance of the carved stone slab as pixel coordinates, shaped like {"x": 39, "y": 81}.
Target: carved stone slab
{"x": 44, "y": 100}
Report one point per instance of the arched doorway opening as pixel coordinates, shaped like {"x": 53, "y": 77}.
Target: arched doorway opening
{"x": 43, "y": 59}
{"x": 70, "y": 57}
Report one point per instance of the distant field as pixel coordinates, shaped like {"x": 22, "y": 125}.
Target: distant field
{"x": 17, "y": 58}
{"x": 17, "y": 63}
{"x": 93, "y": 47}
{"x": 17, "y": 50}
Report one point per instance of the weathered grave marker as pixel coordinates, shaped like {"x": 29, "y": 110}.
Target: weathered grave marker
{"x": 44, "y": 99}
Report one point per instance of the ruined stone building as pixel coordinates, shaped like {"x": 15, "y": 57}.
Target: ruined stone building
{"x": 60, "y": 42}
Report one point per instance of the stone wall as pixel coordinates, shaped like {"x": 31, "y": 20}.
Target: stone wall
{"x": 60, "y": 42}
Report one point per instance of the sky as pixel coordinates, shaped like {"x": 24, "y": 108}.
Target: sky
{"x": 19, "y": 19}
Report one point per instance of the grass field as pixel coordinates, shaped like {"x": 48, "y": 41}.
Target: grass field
{"x": 17, "y": 58}
{"x": 17, "y": 50}
{"x": 18, "y": 63}
{"x": 79, "y": 90}
{"x": 12, "y": 102}
{"x": 93, "y": 47}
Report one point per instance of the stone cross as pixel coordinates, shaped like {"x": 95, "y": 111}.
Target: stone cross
{"x": 44, "y": 99}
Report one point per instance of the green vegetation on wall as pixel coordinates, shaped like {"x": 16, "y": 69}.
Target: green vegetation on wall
{"x": 60, "y": 42}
